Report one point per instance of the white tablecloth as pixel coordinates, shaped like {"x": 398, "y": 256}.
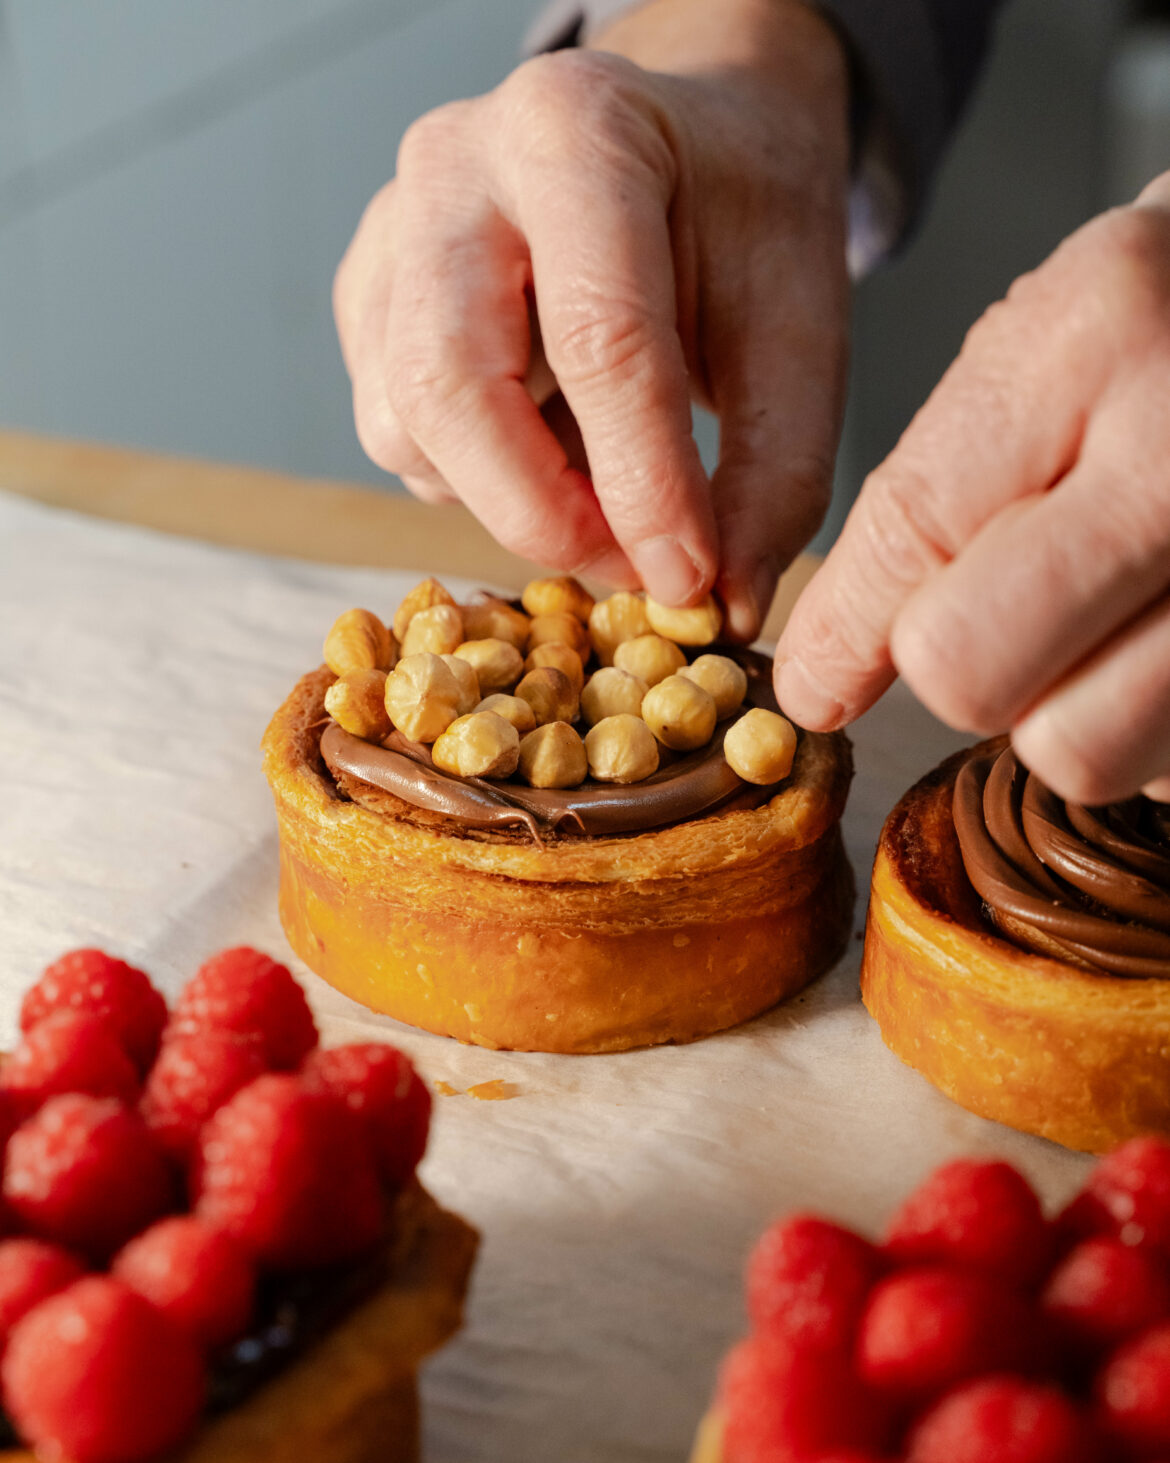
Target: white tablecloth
{"x": 617, "y": 1196}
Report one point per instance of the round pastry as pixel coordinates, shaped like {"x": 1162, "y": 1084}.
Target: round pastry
{"x": 661, "y": 898}
{"x": 1017, "y": 950}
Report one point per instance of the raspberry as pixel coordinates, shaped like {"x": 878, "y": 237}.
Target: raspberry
{"x": 96, "y": 1374}
{"x": 84, "y": 1171}
{"x": 1003, "y": 1420}
{"x": 782, "y": 1402}
{"x": 31, "y": 1271}
{"x": 69, "y": 1052}
{"x": 379, "y": 1082}
{"x": 982, "y": 1216}
{"x": 808, "y": 1279}
{"x": 288, "y": 1173}
{"x": 1104, "y": 1291}
{"x": 193, "y": 1076}
{"x": 96, "y": 983}
{"x": 192, "y": 1273}
{"x": 1127, "y": 1196}
{"x": 926, "y": 1329}
{"x": 1133, "y": 1391}
{"x": 247, "y": 992}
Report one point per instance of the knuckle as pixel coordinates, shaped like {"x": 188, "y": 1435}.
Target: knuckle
{"x": 428, "y": 142}
{"x": 905, "y": 535}
{"x": 602, "y": 340}
{"x": 927, "y": 649}
{"x": 421, "y": 383}
{"x": 381, "y": 435}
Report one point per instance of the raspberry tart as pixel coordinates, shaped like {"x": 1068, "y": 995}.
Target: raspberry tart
{"x": 213, "y": 1243}
{"x": 1017, "y": 950}
{"x": 555, "y": 825}
{"x": 977, "y": 1331}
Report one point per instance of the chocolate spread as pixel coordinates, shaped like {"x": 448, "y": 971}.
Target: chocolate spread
{"x": 1093, "y": 883}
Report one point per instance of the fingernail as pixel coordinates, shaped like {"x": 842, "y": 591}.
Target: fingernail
{"x": 667, "y": 570}
{"x": 803, "y": 698}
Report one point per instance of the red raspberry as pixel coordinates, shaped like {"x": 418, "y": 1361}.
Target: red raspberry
{"x": 249, "y": 993}
{"x": 31, "y": 1271}
{"x": 926, "y": 1329}
{"x": 289, "y": 1174}
{"x": 85, "y": 1172}
{"x": 1003, "y": 1420}
{"x": 193, "y": 1076}
{"x": 195, "y": 1274}
{"x": 783, "y": 1402}
{"x": 379, "y": 1082}
{"x": 982, "y": 1216}
{"x": 1127, "y": 1196}
{"x": 1104, "y": 1291}
{"x": 808, "y": 1279}
{"x": 1133, "y": 1391}
{"x": 94, "y": 982}
{"x": 69, "y": 1052}
{"x": 96, "y": 1374}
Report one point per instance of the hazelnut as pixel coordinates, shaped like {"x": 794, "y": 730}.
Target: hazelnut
{"x": 722, "y": 678}
{"x": 497, "y": 664}
{"x": 563, "y": 657}
{"x": 438, "y": 629}
{"x": 480, "y": 745}
{"x": 650, "y": 657}
{"x": 621, "y": 749}
{"x": 562, "y": 595}
{"x": 610, "y": 691}
{"x": 567, "y": 629}
{"x": 422, "y": 697}
{"x": 466, "y": 680}
{"x": 680, "y": 714}
{"x": 358, "y": 641}
{"x": 512, "y": 709}
{"x": 697, "y": 625}
{"x": 495, "y": 619}
{"x": 553, "y": 756}
{"x": 760, "y": 746}
{"x": 421, "y": 597}
{"x": 550, "y": 693}
{"x": 620, "y": 617}
{"x": 357, "y": 703}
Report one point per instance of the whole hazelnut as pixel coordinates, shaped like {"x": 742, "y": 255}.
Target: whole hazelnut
{"x": 563, "y": 657}
{"x": 358, "y": 641}
{"x": 567, "y": 629}
{"x": 495, "y": 619}
{"x": 680, "y": 714}
{"x": 480, "y": 745}
{"x": 511, "y": 708}
{"x": 621, "y": 749}
{"x": 550, "y": 694}
{"x": 497, "y": 664}
{"x": 695, "y": 625}
{"x": 438, "y": 629}
{"x": 650, "y": 657}
{"x": 553, "y": 756}
{"x": 560, "y": 595}
{"x": 421, "y": 597}
{"x": 610, "y": 691}
{"x": 760, "y": 746}
{"x": 422, "y": 697}
{"x": 721, "y": 677}
{"x": 357, "y": 703}
{"x": 466, "y": 680}
{"x": 620, "y": 617}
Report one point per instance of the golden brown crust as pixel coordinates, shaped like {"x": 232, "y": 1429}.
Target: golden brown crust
{"x": 594, "y": 944}
{"x": 353, "y": 1397}
{"x": 708, "y": 1444}
{"x": 1025, "y": 1039}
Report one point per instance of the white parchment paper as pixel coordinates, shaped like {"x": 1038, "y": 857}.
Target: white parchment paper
{"x": 617, "y": 1196}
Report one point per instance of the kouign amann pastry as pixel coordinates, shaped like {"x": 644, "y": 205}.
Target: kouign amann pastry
{"x": 1017, "y": 950}
{"x": 562, "y": 835}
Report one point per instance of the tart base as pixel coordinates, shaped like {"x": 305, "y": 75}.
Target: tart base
{"x": 582, "y": 945}
{"x": 1029, "y": 1040}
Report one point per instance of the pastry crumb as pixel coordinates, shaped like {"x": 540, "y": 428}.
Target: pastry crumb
{"x": 494, "y": 1091}
{"x": 444, "y": 1089}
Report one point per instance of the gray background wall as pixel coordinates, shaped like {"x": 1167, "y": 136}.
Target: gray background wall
{"x": 179, "y": 179}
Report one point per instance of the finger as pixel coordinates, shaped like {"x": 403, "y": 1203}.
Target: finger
{"x": 1104, "y": 732}
{"x": 430, "y": 489}
{"x": 1158, "y": 790}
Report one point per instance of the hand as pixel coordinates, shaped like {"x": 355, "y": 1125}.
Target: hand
{"x": 604, "y": 241}
{"x": 1011, "y": 557}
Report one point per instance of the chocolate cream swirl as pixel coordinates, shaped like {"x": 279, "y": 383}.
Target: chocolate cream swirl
{"x": 687, "y": 787}
{"x": 1092, "y": 884}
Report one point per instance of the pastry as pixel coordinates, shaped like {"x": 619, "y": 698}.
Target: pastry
{"x": 215, "y": 1246}
{"x": 573, "y": 866}
{"x": 1017, "y": 950}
